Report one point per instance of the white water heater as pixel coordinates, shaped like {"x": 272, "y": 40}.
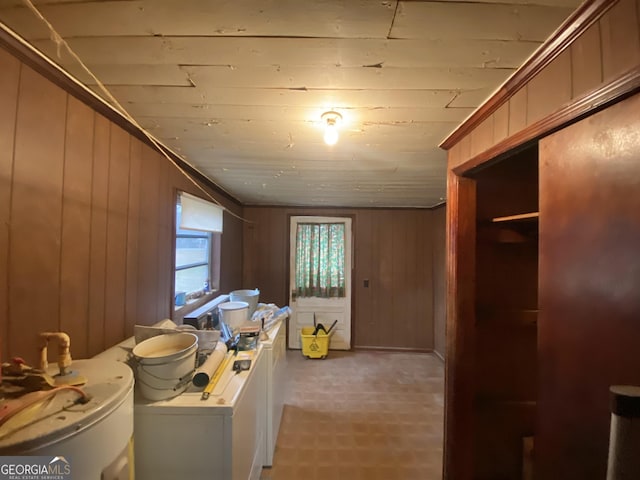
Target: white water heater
{"x": 95, "y": 438}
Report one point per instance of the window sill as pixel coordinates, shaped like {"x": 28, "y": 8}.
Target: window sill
{"x": 180, "y": 312}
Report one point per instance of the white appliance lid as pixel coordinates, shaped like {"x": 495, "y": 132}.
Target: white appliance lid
{"x": 108, "y": 384}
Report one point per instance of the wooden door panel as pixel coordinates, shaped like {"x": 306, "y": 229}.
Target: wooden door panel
{"x": 589, "y": 286}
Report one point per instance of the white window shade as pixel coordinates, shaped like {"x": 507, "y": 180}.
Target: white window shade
{"x": 198, "y": 214}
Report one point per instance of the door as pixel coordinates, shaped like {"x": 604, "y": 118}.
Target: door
{"x": 589, "y": 300}
{"x": 320, "y": 277}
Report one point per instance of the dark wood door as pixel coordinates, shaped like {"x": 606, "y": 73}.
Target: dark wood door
{"x": 589, "y": 287}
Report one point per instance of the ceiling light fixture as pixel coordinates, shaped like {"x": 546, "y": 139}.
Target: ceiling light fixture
{"x": 332, "y": 120}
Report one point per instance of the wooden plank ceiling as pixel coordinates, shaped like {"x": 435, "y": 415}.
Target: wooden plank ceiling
{"x": 237, "y": 87}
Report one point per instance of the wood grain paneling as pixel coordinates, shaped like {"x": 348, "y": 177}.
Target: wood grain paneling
{"x": 509, "y": 187}
{"x": 454, "y": 156}
{"x": 620, "y": 39}
{"x": 586, "y": 61}
{"x": 580, "y": 20}
{"x": 148, "y": 238}
{"x": 518, "y": 111}
{"x": 387, "y": 323}
{"x": 589, "y": 53}
{"x": 363, "y": 333}
{"x": 439, "y": 279}
{"x": 280, "y": 234}
{"x": 465, "y": 149}
{"x": 36, "y": 212}
{"x": 165, "y": 207}
{"x": 133, "y": 245}
{"x": 589, "y": 303}
{"x": 459, "y": 365}
{"x": 550, "y": 89}
{"x": 586, "y": 180}
{"x": 502, "y": 427}
{"x": 9, "y": 84}
{"x": 422, "y": 248}
{"x": 277, "y": 261}
{"x": 99, "y": 217}
{"x": 249, "y": 235}
{"x": 35, "y": 61}
{"x": 86, "y": 242}
{"x": 506, "y": 287}
{"x": 482, "y": 136}
{"x": 75, "y": 244}
{"x": 391, "y": 252}
{"x": 255, "y": 262}
{"x": 266, "y": 255}
{"x": 501, "y": 123}
{"x": 401, "y": 273}
{"x": 116, "y": 235}
{"x": 231, "y": 254}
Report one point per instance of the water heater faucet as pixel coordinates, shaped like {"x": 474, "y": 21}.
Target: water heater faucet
{"x": 64, "y": 353}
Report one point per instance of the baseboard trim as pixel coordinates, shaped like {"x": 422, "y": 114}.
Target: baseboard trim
{"x": 393, "y": 349}
{"x": 439, "y": 355}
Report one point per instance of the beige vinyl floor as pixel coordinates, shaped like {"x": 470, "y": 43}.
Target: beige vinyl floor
{"x": 361, "y": 415}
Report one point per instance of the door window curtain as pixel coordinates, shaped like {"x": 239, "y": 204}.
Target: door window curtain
{"x": 320, "y": 260}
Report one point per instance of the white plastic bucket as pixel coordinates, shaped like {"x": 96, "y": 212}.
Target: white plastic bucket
{"x": 207, "y": 339}
{"x": 249, "y": 296}
{"x": 234, "y": 314}
{"x": 165, "y": 364}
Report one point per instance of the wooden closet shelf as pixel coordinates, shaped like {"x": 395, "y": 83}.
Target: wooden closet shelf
{"x": 521, "y": 228}
{"x": 518, "y": 217}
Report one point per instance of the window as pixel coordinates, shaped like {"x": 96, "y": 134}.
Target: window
{"x": 197, "y": 262}
{"x": 320, "y": 253}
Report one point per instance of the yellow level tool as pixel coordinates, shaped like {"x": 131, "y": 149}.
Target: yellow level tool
{"x": 216, "y": 376}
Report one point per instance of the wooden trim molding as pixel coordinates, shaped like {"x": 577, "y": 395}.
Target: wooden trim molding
{"x": 460, "y": 325}
{"x": 439, "y": 355}
{"x": 596, "y": 100}
{"x": 337, "y": 208}
{"x": 52, "y": 72}
{"x": 395, "y": 349}
{"x": 574, "y": 26}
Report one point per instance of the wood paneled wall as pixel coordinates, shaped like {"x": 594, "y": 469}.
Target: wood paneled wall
{"x": 439, "y": 280}
{"x": 585, "y": 324}
{"x": 607, "y": 49}
{"x": 86, "y": 221}
{"x": 392, "y": 249}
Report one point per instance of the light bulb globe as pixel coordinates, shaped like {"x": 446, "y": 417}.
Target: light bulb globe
{"x": 331, "y": 119}
{"x": 331, "y": 135}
